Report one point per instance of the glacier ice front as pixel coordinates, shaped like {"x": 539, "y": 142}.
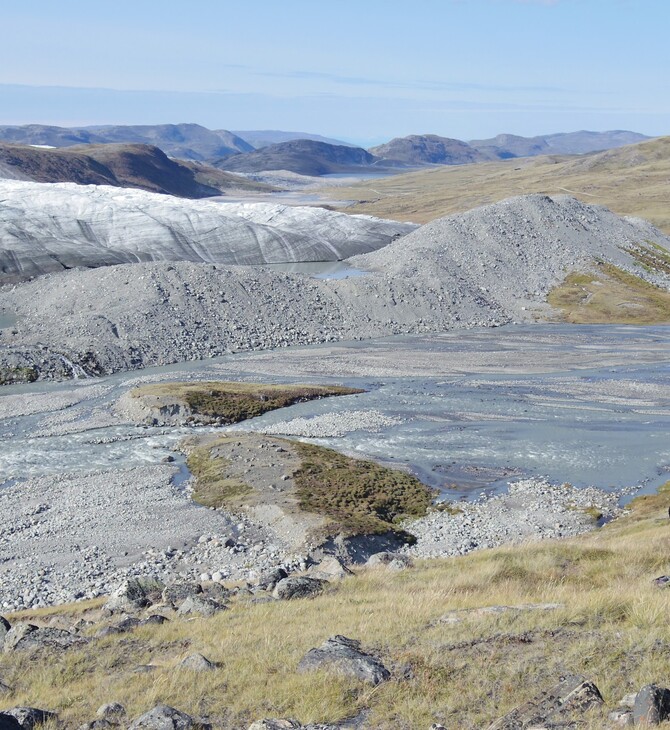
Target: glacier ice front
{"x": 48, "y": 227}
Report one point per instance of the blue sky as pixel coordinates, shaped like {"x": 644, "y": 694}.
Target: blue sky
{"x": 362, "y": 70}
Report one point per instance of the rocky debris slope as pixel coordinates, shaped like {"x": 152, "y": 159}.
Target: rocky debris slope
{"x": 59, "y": 226}
{"x": 486, "y": 267}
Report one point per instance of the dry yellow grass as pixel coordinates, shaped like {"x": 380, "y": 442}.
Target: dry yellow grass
{"x": 633, "y": 180}
{"x": 611, "y": 296}
{"x": 612, "y": 627}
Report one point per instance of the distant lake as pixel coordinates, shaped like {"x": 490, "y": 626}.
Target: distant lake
{"x": 318, "y": 269}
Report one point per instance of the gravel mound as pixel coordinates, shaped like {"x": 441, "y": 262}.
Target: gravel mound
{"x": 487, "y": 267}
{"x": 51, "y": 227}
{"x": 331, "y": 425}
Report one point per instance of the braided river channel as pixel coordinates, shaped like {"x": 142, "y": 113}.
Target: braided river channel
{"x": 465, "y": 411}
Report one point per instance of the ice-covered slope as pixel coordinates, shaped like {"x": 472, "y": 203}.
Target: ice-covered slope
{"x": 50, "y": 227}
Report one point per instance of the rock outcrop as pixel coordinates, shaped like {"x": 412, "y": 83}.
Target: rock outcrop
{"x": 345, "y": 656}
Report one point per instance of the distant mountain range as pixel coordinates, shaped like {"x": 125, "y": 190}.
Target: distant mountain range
{"x": 505, "y": 146}
{"x": 303, "y": 156}
{"x": 309, "y": 154}
{"x": 121, "y": 165}
{"x": 186, "y": 141}
{"x": 427, "y": 149}
{"x": 258, "y": 138}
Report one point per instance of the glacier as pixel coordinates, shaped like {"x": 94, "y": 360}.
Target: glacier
{"x": 47, "y": 227}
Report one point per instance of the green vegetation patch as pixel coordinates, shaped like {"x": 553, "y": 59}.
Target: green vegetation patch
{"x": 18, "y": 375}
{"x": 230, "y": 402}
{"x": 357, "y": 496}
{"x": 613, "y": 296}
{"x": 212, "y": 487}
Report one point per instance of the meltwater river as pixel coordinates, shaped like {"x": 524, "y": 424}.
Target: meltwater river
{"x": 589, "y": 405}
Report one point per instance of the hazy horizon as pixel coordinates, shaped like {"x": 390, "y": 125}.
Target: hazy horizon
{"x": 361, "y": 72}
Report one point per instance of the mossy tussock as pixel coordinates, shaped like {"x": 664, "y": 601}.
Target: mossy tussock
{"x": 10, "y": 375}
{"x": 357, "y": 496}
{"x": 231, "y": 402}
{"x": 353, "y": 496}
{"x": 212, "y": 488}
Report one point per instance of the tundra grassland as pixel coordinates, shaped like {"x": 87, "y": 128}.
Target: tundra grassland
{"x": 610, "y": 625}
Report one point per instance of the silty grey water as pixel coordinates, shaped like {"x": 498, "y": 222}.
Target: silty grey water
{"x": 582, "y": 404}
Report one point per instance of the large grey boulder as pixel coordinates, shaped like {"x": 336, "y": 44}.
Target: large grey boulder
{"x": 330, "y": 568}
{"x": 28, "y": 637}
{"x": 4, "y": 628}
{"x": 269, "y": 580}
{"x": 31, "y": 717}
{"x": 198, "y": 606}
{"x": 344, "y": 656}
{"x": 177, "y": 593}
{"x": 7, "y": 722}
{"x": 112, "y": 711}
{"x": 573, "y": 695}
{"x": 134, "y": 594}
{"x": 196, "y": 663}
{"x": 390, "y": 560}
{"x": 164, "y": 717}
{"x": 298, "y": 587}
{"x": 652, "y": 705}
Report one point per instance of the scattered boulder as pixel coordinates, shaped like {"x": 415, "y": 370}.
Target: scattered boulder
{"x": 392, "y": 561}
{"x": 112, "y": 711}
{"x": 4, "y": 628}
{"x": 299, "y": 587}
{"x": 663, "y": 581}
{"x": 28, "y": 637}
{"x": 195, "y": 605}
{"x": 135, "y": 593}
{"x": 216, "y": 591}
{"x": 128, "y": 624}
{"x": 197, "y": 663}
{"x": 269, "y": 580}
{"x": 31, "y": 717}
{"x": 271, "y": 724}
{"x": 572, "y": 695}
{"x": 344, "y": 656}
{"x": 330, "y": 568}
{"x": 176, "y": 593}
{"x": 358, "y": 548}
{"x": 621, "y": 717}
{"x": 163, "y": 717}
{"x": 652, "y": 705}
